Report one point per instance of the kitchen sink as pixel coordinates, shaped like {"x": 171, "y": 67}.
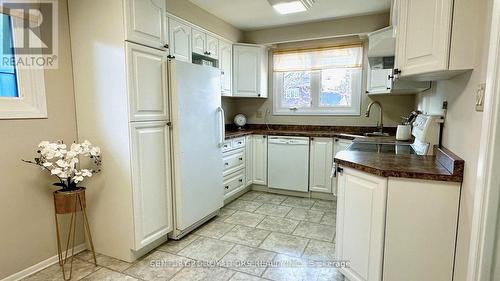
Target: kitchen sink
{"x": 382, "y": 148}
{"x": 376, "y": 134}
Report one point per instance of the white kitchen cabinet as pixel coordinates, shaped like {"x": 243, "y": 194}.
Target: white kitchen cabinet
{"x": 259, "y": 159}
{"x": 180, "y": 40}
{"x": 199, "y": 42}
{"x": 320, "y": 165}
{"x": 147, "y": 91}
{"x": 378, "y": 80}
{"x": 250, "y": 71}
{"x": 152, "y": 198}
{"x": 146, "y": 22}
{"x": 249, "y": 155}
{"x": 339, "y": 145}
{"x": 435, "y": 38}
{"x": 212, "y": 47}
{"x": 226, "y": 66}
{"x": 361, "y": 203}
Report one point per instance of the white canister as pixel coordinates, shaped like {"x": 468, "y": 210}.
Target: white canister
{"x": 403, "y": 133}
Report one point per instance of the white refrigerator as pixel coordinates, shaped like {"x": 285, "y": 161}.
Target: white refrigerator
{"x": 197, "y": 138}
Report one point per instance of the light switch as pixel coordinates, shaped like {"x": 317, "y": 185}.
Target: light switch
{"x": 480, "y": 97}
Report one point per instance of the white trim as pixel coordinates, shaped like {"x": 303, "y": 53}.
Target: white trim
{"x": 486, "y": 204}
{"x": 41, "y": 265}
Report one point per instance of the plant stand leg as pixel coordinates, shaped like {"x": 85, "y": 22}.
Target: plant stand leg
{"x": 87, "y": 228}
{"x": 70, "y": 239}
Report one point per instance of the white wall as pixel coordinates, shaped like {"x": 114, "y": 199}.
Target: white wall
{"x": 462, "y": 131}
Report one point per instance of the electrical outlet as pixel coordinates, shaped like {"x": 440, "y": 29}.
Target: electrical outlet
{"x": 259, "y": 114}
{"x": 480, "y": 97}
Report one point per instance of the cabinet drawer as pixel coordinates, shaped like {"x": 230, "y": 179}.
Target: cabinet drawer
{"x": 238, "y": 143}
{"x": 233, "y": 161}
{"x": 226, "y": 146}
{"x": 234, "y": 182}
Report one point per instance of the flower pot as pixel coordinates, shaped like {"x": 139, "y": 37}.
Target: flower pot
{"x": 66, "y": 202}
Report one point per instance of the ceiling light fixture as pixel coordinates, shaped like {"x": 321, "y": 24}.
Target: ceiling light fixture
{"x": 285, "y": 7}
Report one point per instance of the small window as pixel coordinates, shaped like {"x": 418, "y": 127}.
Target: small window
{"x": 324, "y": 81}
{"x": 8, "y": 77}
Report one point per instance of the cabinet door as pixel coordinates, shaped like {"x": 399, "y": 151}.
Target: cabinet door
{"x": 147, "y": 83}
{"x": 320, "y": 165}
{"x": 199, "y": 42}
{"x": 146, "y": 22}
{"x": 423, "y": 36}
{"x": 339, "y": 145}
{"x": 249, "y": 156}
{"x": 226, "y": 66}
{"x": 246, "y": 72}
{"x": 180, "y": 40}
{"x": 361, "y": 204}
{"x": 212, "y": 47}
{"x": 151, "y": 178}
{"x": 378, "y": 81}
{"x": 259, "y": 160}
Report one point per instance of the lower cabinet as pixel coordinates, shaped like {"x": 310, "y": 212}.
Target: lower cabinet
{"x": 259, "y": 159}
{"x": 361, "y": 202}
{"x": 320, "y": 165}
{"x": 249, "y": 155}
{"x": 151, "y": 181}
{"x": 338, "y": 145}
{"x": 234, "y": 157}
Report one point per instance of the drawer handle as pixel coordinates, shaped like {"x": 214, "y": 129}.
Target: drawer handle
{"x": 239, "y": 142}
{"x": 241, "y": 158}
{"x": 240, "y": 180}
{"x": 226, "y": 187}
{"x": 227, "y": 164}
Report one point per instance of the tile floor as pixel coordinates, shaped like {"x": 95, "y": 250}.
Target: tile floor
{"x": 257, "y": 227}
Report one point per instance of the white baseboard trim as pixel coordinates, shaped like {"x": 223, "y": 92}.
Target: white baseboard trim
{"x": 41, "y": 265}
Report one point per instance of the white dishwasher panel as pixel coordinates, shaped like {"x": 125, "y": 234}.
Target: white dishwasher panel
{"x": 288, "y": 163}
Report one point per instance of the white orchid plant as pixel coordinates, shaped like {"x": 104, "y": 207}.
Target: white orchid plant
{"x": 64, "y": 163}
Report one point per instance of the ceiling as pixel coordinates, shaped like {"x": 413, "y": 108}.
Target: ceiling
{"x": 258, "y": 14}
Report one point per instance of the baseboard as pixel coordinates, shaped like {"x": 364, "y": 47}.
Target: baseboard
{"x": 41, "y": 265}
{"x": 310, "y": 194}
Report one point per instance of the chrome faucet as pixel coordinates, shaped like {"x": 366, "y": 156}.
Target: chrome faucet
{"x": 380, "y": 124}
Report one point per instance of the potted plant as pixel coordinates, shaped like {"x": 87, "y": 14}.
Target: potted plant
{"x": 64, "y": 164}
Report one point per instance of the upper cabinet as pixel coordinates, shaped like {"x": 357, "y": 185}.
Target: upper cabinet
{"x": 250, "y": 70}
{"x": 435, "y": 38}
{"x": 226, "y": 66}
{"x": 180, "y": 40}
{"x": 205, "y": 44}
{"x": 212, "y": 47}
{"x": 146, "y": 22}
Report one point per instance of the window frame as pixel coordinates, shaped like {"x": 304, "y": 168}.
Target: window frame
{"x": 353, "y": 110}
{"x": 31, "y": 100}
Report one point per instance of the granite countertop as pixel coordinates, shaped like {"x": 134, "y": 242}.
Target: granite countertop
{"x": 443, "y": 166}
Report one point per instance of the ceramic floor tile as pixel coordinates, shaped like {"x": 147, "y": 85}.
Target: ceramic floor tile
{"x": 244, "y": 205}
{"x": 105, "y": 274}
{"x": 206, "y": 249}
{"x": 54, "y": 272}
{"x": 246, "y": 235}
{"x": 284, "y": 244}
{"x": 278, "y": 224}
{"x": 329, "y": 218}
{"x": 290, "y": 268}
{"x": 214, "y": 229}
{"x": 224, "y": 213}
{"x": 324, "y": 205}
{"x": 319, "y": 251}
{"x": 249, "y": 260}
{"x": 315, "y": 231}
{"x": 245, "y": 218}
{"x": 174, "y": 246}
{"x": 103, "y": 260}
{"x": 270, "y": 198}
{"x": 298, "y": 202}
{"x": 330, "y": 274}
{"x": 251, "y": 195}
{"x": 203, "y": 274}
{"x": 157, "y": 266}
{"x": 273, "y": 210}
{"x": 239, "y": 276}
{"x": 305, "y": 215}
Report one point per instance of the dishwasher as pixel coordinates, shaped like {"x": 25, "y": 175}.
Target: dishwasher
{"x": 288, "y": 163}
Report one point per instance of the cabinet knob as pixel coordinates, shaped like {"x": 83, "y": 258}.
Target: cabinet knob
{"x": 169, "y": 124}
{"x": 240, "y": 180}
{"x": 165, "y": 46}
{"x": 367, "y": 91}
{"x": 258, "y": 95}
{"x": 336, "y": 140}
{"x": 171, "y": 57}
{"x": 390, "y": 77}
{"x": 264, "y": 136}
{"x": 226, "y": 187}
{"x": 312, "y": 139}
{"x": 241, "y": 158}
{"x": 227, "y": 164}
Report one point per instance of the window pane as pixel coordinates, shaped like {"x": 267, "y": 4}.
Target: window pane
{"x": 8, "y": 81}
{"x": 296, "y": 89}
{"x": 337, "y": 87}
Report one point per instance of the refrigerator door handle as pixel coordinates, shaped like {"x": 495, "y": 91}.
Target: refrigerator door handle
{"x": 222, "y": 126}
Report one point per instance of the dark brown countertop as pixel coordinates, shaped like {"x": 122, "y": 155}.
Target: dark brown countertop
{"x": 443, "y": 166}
